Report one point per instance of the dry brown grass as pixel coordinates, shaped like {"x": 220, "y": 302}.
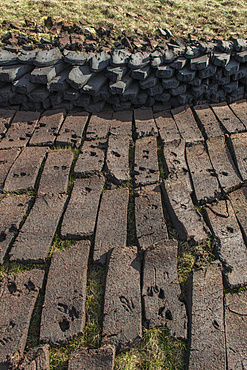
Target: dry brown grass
{"x": 224, "y": 18}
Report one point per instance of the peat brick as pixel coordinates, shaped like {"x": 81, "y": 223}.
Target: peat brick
{"x": 121, "y": 123}
{"x": 150, "y": 222}
{"x": 43, "y": 75}
{"x": 227, "y": 118}
{"x": 111, "y": 228}
{"x": 180, "y": 90}
{"x": 164, "y": 97}
{"x": 79, "y": 76}
{"x": 140, "y": 99}
{"x": 209, "y": 123}
{"x": 80, "y": 216}
{"x": 241, "y": 57}
{"x": 174, "y": 156}
{"x": 19, "y": 293}
{"x": 27, "y": 57}
{"x": 46, "y": 58}
{"x": 47, "y": 128}
{"x": 115, "y": 73}
{"x": 157, "y": 89}
{"x": 6, "y": 94}
{"x": 99, "y": 126}
{"x": 95, "y": 107}
{"x": 95, "y": 84}
{"x": 225, "y": 46}
{"x": 164, "y": 71}
{"x": 229, "y": 243}
{"x": 102, "y": 94}
{"x": 91, "y": 159}
{"x": 71, "y": 94}
{"x": 7, "y": 158}
{"x": 71, "y": 131}
{"x": 20, "y": 130}
{"x": 139, "y": 60}
{"x": 231, "y": 68}
{"x": 75, "y": 58}
{"x": 120, "y": 86}
{"x": 12, "y": 73}
{"x": 239, "y": 142}
{"x": 6, "y": 117}
{"x": 37, "y": 358}
{"x": 167, "y": 126}
{"x": 144, "y": 123}
{"x": 161, "y": 290}
{"x": 23, "y": 174}
{"x": 184, "y": 216}
{"x": 204, "y": 179}
{"x": 207, "y": 349}
{"x": 198, "y": 91}
{"x": 240, "y": 44}
{"x": 223, "y": 164}
{"x": 187, "y": 124}
{"x": 238, "y": 200}
{"x": 146, "y": 169}
{"x": 236, "y": 329}
{"x": 196, "y": 82}
{"x": 117, "y": 159}
{"x": 122, "y": 305}
{"x": 13, "y": 209}
{"x": 170, "y": 83}
{"x": 149, "y": 82}
{"x": 179, "y": 63}
{"x": 186, "y": 74}
{"x": 242, "y": 73}
{"x": 7, "y": 58}
{"x": 63, "y": 314}
{"x": 59, "y": 83}
{"x": 55, "y": 176}
{"x": 221, "y": 59}
{"x": 35, "y": 237}
{"x": 239, "y": 108}
{"x": 90, "y": 359}
{"x": 100, "y": 61}
{"x": 120, "y": 58}
{"x": 24, "y": 85}
{"x": 169, "y": 56}
{"x": 192, "y": 52}
{"x": 131, "y": 93}
{"x": 39, "y": 95}
{"x": 142, "y": 73}
{"x": 207, "y": 72}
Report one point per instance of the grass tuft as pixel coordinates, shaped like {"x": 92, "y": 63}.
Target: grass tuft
{"x": 16, "y": 268}
{"x": 156, "y": 351}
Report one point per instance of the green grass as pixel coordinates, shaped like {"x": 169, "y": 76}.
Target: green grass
{"x": 16, "y": 268}
{"x": 200, "y": 18}
{"x": 156, "y": 351}
{"x": 192, "y": 257}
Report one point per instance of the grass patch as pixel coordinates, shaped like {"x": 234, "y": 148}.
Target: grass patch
{"x": 193, "y": 257}
{"x": 60, "y": 244}
{"x": 156, "y": 351}
{"x": 92, "y": 332}
{"x": 16, "y": 268}
{"x": 184, "y": 18}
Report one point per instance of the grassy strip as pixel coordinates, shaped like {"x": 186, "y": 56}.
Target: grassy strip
{"x": 200, "y": 18}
